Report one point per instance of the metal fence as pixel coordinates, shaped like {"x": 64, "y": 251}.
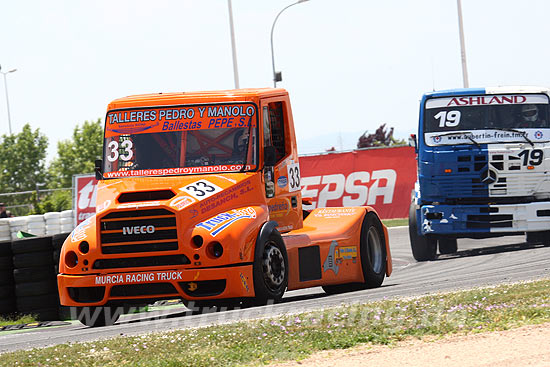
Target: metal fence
{"x": 37, "y": 201}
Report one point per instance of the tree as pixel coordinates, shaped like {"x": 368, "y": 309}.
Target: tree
{"x": 77, "y": 155}
{"x": 22, "y": 160}
{"x": 380, "y": 138}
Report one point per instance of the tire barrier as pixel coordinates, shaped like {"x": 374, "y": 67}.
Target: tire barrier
{"x": 34, "y": 276}
{"x": 47, "y": 224}
{"x": 7, "y": 286}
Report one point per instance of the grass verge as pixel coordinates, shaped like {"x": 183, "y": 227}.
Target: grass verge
{"x": 297, "y": 336}
{"x": 396, "y": 222}
{"x": 17, "y": 320}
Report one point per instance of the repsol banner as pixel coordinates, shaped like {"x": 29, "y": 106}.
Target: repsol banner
{"x": 382, "y": 178}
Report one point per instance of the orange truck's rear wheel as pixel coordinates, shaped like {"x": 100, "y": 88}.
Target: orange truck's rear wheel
{"x": 373, "y": 251}
{"x": 373, "y": 257}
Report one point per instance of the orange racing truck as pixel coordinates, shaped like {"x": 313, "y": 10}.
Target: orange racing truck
{"x": 199, "y": 199}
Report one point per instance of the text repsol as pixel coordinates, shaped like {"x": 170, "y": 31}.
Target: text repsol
{"x": 339, "y": 190}
{"x": 138, "y": 230}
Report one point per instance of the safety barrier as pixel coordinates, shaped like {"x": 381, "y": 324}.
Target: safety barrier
{"x": 28, "y": 284}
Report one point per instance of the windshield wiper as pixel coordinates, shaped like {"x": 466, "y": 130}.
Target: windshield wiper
{"x": 469, "y": 136}
{"x": 522, "y": 133}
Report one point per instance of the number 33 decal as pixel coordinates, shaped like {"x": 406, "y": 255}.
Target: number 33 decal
{"x": 201, "y": 189}
{"x": 293, "y": 177}
{"x": 114, "y": 153}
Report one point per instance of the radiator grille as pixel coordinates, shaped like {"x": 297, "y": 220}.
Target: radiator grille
{"x": 152, "y": 230}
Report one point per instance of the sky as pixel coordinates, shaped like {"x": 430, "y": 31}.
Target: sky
{"x": 349, "y": 65}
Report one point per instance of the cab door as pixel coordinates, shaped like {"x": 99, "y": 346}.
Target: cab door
{"x": 283, "y": 193}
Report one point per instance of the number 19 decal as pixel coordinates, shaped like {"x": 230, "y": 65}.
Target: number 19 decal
{"x": 531, "y": 157}
{"x": 293, "y": 177}
{"x": 448, "y": 119}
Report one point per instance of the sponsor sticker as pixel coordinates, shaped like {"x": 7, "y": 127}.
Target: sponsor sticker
{"x": 282, "y": 181}
{"x": 79, "y": 233}
{"x": 335, "y": 212}
{"x": 278, "y": 207}
{"x": 221, "y": 221}
{"x": 182, "y": 202}
{"x": 244, "y": 282}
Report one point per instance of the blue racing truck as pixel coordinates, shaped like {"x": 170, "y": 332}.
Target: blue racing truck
{"x": 483, "y": 168}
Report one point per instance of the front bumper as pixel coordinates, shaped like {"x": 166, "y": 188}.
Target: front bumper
{"x": 191, "y": 284}
{"x": 457, "y": 219}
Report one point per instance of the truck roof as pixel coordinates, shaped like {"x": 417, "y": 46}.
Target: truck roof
{"x": 488, "y": 90}
{"x": 231, "y": 95}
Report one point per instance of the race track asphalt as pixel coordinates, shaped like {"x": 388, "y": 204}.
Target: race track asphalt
{"x": 477, "y": 263}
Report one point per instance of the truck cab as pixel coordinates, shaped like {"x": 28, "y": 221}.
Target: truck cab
{"x": 199, "y": 199}
{"x": 483, "y": 163}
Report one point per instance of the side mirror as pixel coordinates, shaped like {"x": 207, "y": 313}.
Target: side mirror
{"x": 412, "y": 142}
{"x": 269, "y": 156}
{"x": 98, "y": 166}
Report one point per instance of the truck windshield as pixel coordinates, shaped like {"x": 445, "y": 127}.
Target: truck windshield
{"x": 177, "y": 140}
{"x": 487, "y": 119}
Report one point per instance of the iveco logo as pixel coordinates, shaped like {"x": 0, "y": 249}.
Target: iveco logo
{"x": 138, "y": 230}
{"x": 488, "y": 176}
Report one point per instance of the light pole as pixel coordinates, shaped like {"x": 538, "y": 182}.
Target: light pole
{"x": 233, "y": 47}
{"x": 6, "y": 89}
{"x": 462, "y": 46}
{"x": 277, "y": 76}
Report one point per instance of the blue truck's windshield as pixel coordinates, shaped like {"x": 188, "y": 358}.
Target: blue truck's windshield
{"x": 486, "y": 119}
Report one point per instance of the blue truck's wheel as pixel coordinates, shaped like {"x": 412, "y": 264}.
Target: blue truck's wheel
{"x": 542, "y": 237}
{"x": 447, "y": 246}
{"x": 423, "y": 248}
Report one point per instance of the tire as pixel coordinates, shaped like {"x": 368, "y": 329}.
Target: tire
{"x": 58, "y": 240}
{"x": 25, "y": 275}
{"x": 56, "y": 255}
{"x": 31, "y": 303}
{"x": 423, "y": 248}
{"x": 5, "y": 248}
{"x": 27, "y": 245}
{"x": 447, "y": 246}
{"x": 7, "y": 306}
{"x": 542, "y": 237}
{"x": 98, "y": 316}
{"x": 6, "y": 291}
{"x": 6, "y": 277}
{"x": 32, "y": 259}
{"x": 373, "y": 251}
{"x": 270, "y": 269}
{"x": 36, "y": 288}
{"x": 6, "y": 263}
{"x": 373, "y": 258}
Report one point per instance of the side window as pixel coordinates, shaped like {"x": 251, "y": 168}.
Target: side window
{"x": 277, "y": 128}
{"x": 267, "y": 127}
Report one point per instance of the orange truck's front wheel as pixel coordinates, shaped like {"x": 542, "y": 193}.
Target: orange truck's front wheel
{"x": 270, "y": 269}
